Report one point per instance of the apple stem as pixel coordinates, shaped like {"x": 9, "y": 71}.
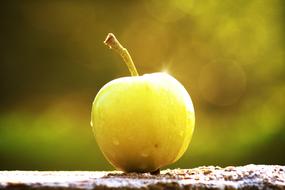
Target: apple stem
{"x": 112, "y": 42}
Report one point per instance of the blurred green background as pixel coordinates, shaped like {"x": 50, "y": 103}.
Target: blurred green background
{"x": 230, "y": 56}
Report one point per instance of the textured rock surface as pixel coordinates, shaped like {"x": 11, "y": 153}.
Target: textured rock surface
{"x": 243, "y": 177}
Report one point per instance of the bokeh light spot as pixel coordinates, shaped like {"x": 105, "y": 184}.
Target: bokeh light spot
{"x": 222, "y": 83}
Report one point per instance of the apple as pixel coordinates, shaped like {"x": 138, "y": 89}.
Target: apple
{"x": 142, "y": 123}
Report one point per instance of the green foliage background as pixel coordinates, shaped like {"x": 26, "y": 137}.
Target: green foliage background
{"x": 228, "y": 54}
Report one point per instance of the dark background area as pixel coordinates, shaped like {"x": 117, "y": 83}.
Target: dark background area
{"x": 229, "y": 55}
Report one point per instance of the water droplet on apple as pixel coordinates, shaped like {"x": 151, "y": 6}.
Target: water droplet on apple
{"x": 116, "y": 142}
{"x": 144, "y": 154}
{"x": 91, "y": 123}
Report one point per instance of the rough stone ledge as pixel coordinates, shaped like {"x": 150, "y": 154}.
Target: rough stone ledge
{"x": 205, "y": 177}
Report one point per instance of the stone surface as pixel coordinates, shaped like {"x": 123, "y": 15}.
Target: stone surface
{"x": 210, "y": 177}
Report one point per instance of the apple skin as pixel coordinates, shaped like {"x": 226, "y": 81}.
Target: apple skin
{"x": 143, "y": 123}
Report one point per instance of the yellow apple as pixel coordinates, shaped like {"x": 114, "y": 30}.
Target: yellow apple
{"x": 142, "y": 123}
